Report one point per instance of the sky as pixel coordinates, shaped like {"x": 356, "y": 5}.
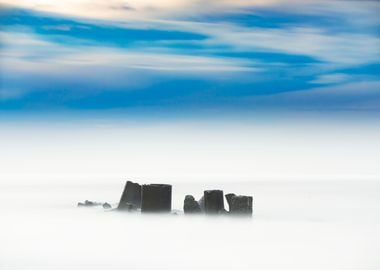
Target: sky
{"x": 188, "y": 55}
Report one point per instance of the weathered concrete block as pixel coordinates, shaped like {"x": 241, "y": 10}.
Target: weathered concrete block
{"x": 214, "y": 201}
{"x": 191, "y": 206}
{"x": 131, "y": 196}
{"x": 156, "y": 198}
{"x": 239, "y": 204}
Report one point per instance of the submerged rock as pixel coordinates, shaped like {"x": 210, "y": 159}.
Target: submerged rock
{"x": 156, "y": 198}
{"x": 106, "y": 205}
{"x": 88, "y": 203}
{"x": 191, "y": 206}
{"x": 240, "y": 205}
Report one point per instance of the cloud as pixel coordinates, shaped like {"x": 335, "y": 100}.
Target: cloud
{"x": 60, "y": 27}
{"x": 338, "y": 48}
{"x": 34, "y": 66}
{"x": 320, "y": 42}
{"x": 331, "y": 78}
{"x": 154, "y": 9}
{"x": 347, "y": 96}
{"x": 29, "y": 52}
{"x": 154, "y": 46}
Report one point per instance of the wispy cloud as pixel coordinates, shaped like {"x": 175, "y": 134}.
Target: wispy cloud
{"x": 346, "y": 96}
{"x": 336, "y": 48}
{"x": 191, "y": 52}
{"x": 29, "y": 52}
{"x": 331, "y": 78}
{"x": 119, "y": 10}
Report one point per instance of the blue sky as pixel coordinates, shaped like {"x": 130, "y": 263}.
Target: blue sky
{"x": 195, "y": 56}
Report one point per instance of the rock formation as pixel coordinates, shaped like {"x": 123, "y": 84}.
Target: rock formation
{"x": 156, "y": 198}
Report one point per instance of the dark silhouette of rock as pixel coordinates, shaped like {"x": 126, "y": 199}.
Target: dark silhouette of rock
{"x": 214, "y": 201}
{"x": 191, "y": 206}
{"x": 131, "y": 196}
{"x": 156, "y": 198}
{"x": 129, "y": 207}
{"x": 201, "y": 203}
{"x": 106, "y": 205}
{"x": 229, "y": 196}
{"x": 239, "y": 205}
{"x": 88, "y": 203}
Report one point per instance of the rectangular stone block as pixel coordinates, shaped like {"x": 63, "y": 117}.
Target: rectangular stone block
{"x": 156, "y": 198}
{"x": 213, "y": 201}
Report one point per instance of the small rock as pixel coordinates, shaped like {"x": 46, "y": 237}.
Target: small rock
{"x": 88, "y": 203}
{"x": 106, "y": 205}
{"x": 191, "y": 206}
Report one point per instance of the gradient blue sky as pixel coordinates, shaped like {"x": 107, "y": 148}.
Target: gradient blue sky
{"x": 196, "y": 56}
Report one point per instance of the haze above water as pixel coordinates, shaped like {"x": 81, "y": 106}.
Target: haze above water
{"x": 194, "y": 149}
{"x": 315, "y": 187}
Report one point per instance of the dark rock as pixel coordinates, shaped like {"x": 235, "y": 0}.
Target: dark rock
{"x": 131, "y": 196}
{"x": 229, "y": 196}
{"x": 201, "y": 203}
{"x": 214, "y": 201}
{"x": 106, "y": 205}
{"x": 191, "y": 206}
{"x": 240, "y": 205}
{"x": 88, "y": 203}
{"x": 129, "y": 207}
{"x": 156, "y": 198}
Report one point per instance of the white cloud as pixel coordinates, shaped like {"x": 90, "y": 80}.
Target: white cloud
{"x": 116, "y": 9}
{"x": 347, "y": 96}
{"x": 61, "y": 27}
{"x": 335, "y": 48}
{"x": 331, "y": 78}
{"x": 338, "y": 49}
{"x": 35, "y": 61}
{"x": 343, "y": 48}
{"x": 29, "y": 53}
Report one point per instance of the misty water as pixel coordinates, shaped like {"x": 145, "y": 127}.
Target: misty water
{"x": 315, "y": 191}
{"x": 296, "y": 225}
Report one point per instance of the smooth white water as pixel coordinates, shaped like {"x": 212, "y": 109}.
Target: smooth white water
{"x": 296, "y": 225}
{"x": 315, "y": 185}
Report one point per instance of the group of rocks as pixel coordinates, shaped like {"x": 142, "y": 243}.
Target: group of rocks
{"x": 212, "y": 202}
{"x": 155, "y": 198}
{"x": 148, "y": 198}
{"x": 91, "y": 203}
